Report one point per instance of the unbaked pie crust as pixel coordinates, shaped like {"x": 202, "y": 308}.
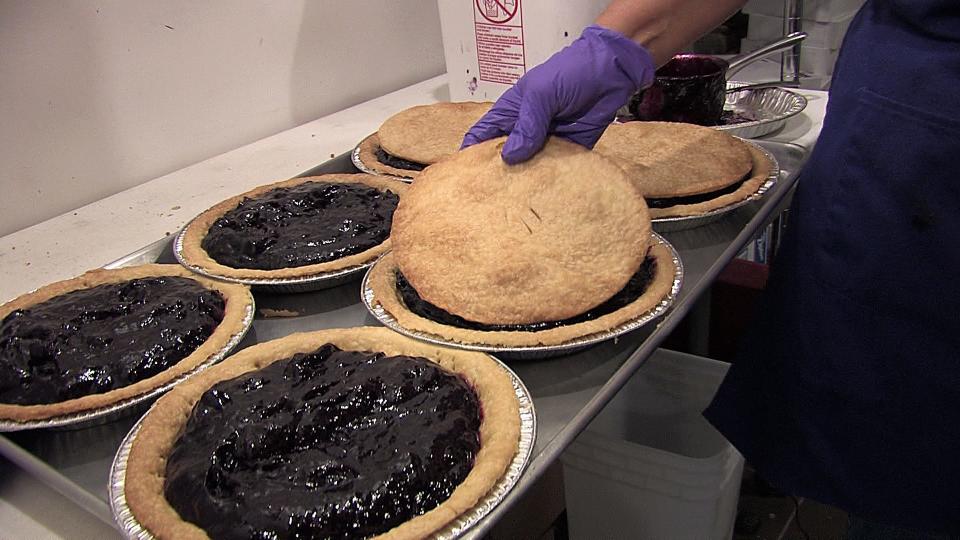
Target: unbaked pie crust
{"x": 544, "y": 240}
{"x": 428, "y": 133}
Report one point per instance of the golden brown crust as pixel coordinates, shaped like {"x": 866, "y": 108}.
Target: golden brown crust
{"x": 668, "y": 159}
{"x": 195, "y": 256}
{"x": 238, "y": 301}
{"x": 499, "y": 430}
{"x": 368, "y": 157}
{"x": 513, "y": 244}
{"x": 760, "y": 172}
{"x": 428, "y": 133}
{"x": 383, "y": 283}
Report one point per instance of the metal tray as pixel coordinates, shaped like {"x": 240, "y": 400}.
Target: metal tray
{"x": 567, "y": 391}
{"x": 533, "y": 351}
{"x": 679, "y": 223}
{"x": 131, "y": 405}
{"x": 131, "y": 528}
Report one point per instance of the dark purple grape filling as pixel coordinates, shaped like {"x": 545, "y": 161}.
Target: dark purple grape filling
{"x": 667, "y": 202}
{"x": 398, "y": 163}
{"x": 728, "y": 117}
{"x": 329, "y": 444}
{"x": 634, "y": 289}
{"x": 109, "y": 336}
{"x": 310, "y": 223}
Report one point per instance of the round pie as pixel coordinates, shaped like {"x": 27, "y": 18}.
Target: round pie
{"x": 670, "y": 159}
{"x": 108, "y": 336}
{"x": 296, "y": 228}
{"x": 354, "y": 432}
{"x": 694, "y": 205}
{"x": 544, "y": 240}
{"x": 376, "y": 160}
{"x": 426, "y": 134}
{"x": 647, "y": 288}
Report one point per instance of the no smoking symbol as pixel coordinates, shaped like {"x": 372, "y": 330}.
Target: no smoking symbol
{"x": 498, "y": 11}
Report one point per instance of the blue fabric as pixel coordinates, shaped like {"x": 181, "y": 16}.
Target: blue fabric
{"x": 861, "y": 529}
{"x": 847, "y": 389}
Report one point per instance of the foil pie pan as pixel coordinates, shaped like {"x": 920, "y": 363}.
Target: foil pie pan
{"x": 323, "y": 280}
{"x": 533, "y": 351}
{"x": 133, "y": 404}
{"x": 131, "y": 528}
{"x": 679, "y": 223}
{"x": 771, "y": 107}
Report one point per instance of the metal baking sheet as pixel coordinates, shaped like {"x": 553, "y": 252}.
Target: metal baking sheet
{"x": 533, "y": 351}
{"x": 679, "y": 223}
{"x": 567, "y": 391}
{"x": 131, "y": 528}
{"x": 130, "y": 406}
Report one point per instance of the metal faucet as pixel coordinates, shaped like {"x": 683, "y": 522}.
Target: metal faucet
{"x": 792, "y": 22}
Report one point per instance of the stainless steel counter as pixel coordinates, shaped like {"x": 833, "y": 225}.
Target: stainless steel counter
{"x": 567, "y": 391}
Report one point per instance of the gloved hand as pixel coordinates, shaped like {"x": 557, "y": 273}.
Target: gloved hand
{"x": 574, "y": 94}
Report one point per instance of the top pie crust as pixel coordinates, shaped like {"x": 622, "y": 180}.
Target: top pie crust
{"x": 194, "y": 255}
{"x": 543, "y": 240}
{"x": 368, "y": 157}
{"x": 238, "y": 301}
{"x": 428, "y": 133}
{"x": 499, "y": 430}
{"x": 670, "y": 159}
{"x": 762, "y": 166}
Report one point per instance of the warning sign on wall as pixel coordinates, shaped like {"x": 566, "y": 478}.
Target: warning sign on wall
{"x": 499, "y": 31}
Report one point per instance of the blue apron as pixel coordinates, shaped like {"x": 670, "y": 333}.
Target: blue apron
{"x": 847, "y": 388}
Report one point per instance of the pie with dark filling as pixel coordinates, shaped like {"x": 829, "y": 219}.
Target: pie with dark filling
{"x": 107, "y": 336}
{"x": 685, "y": 169}
{"x": 347, "y": 433}
{"x": 296, "y": 228}
{"x": 419, "y": 136}
{"x": 539, "y": 253}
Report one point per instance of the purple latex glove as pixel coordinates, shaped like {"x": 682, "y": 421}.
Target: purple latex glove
{"x": 574, "y": 94}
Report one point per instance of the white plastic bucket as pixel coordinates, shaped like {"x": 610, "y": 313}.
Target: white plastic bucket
{"x": 650, "y": 466}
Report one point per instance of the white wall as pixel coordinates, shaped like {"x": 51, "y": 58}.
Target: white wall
{"x": 97, "y": 96}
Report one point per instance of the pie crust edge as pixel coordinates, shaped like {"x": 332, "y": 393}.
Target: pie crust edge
{"x": 194, "y": 255}
{"x": 381, "y": 281}
{"x": 161, "y": 427}
{"x": 238, "y": 299}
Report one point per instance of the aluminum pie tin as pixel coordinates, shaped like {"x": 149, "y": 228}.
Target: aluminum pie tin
{"x": 533, "y": 351}
{"x": 771, "y": 107}
{"x": 323, "y": 280}
{"x": 358, "y": 163}
{"x": 127, "y": 406}
{"x": 131, "y": 528}
{"x": 680, "y": 223}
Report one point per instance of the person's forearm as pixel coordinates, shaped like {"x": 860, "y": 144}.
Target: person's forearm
{"x": 664, "y": 27}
